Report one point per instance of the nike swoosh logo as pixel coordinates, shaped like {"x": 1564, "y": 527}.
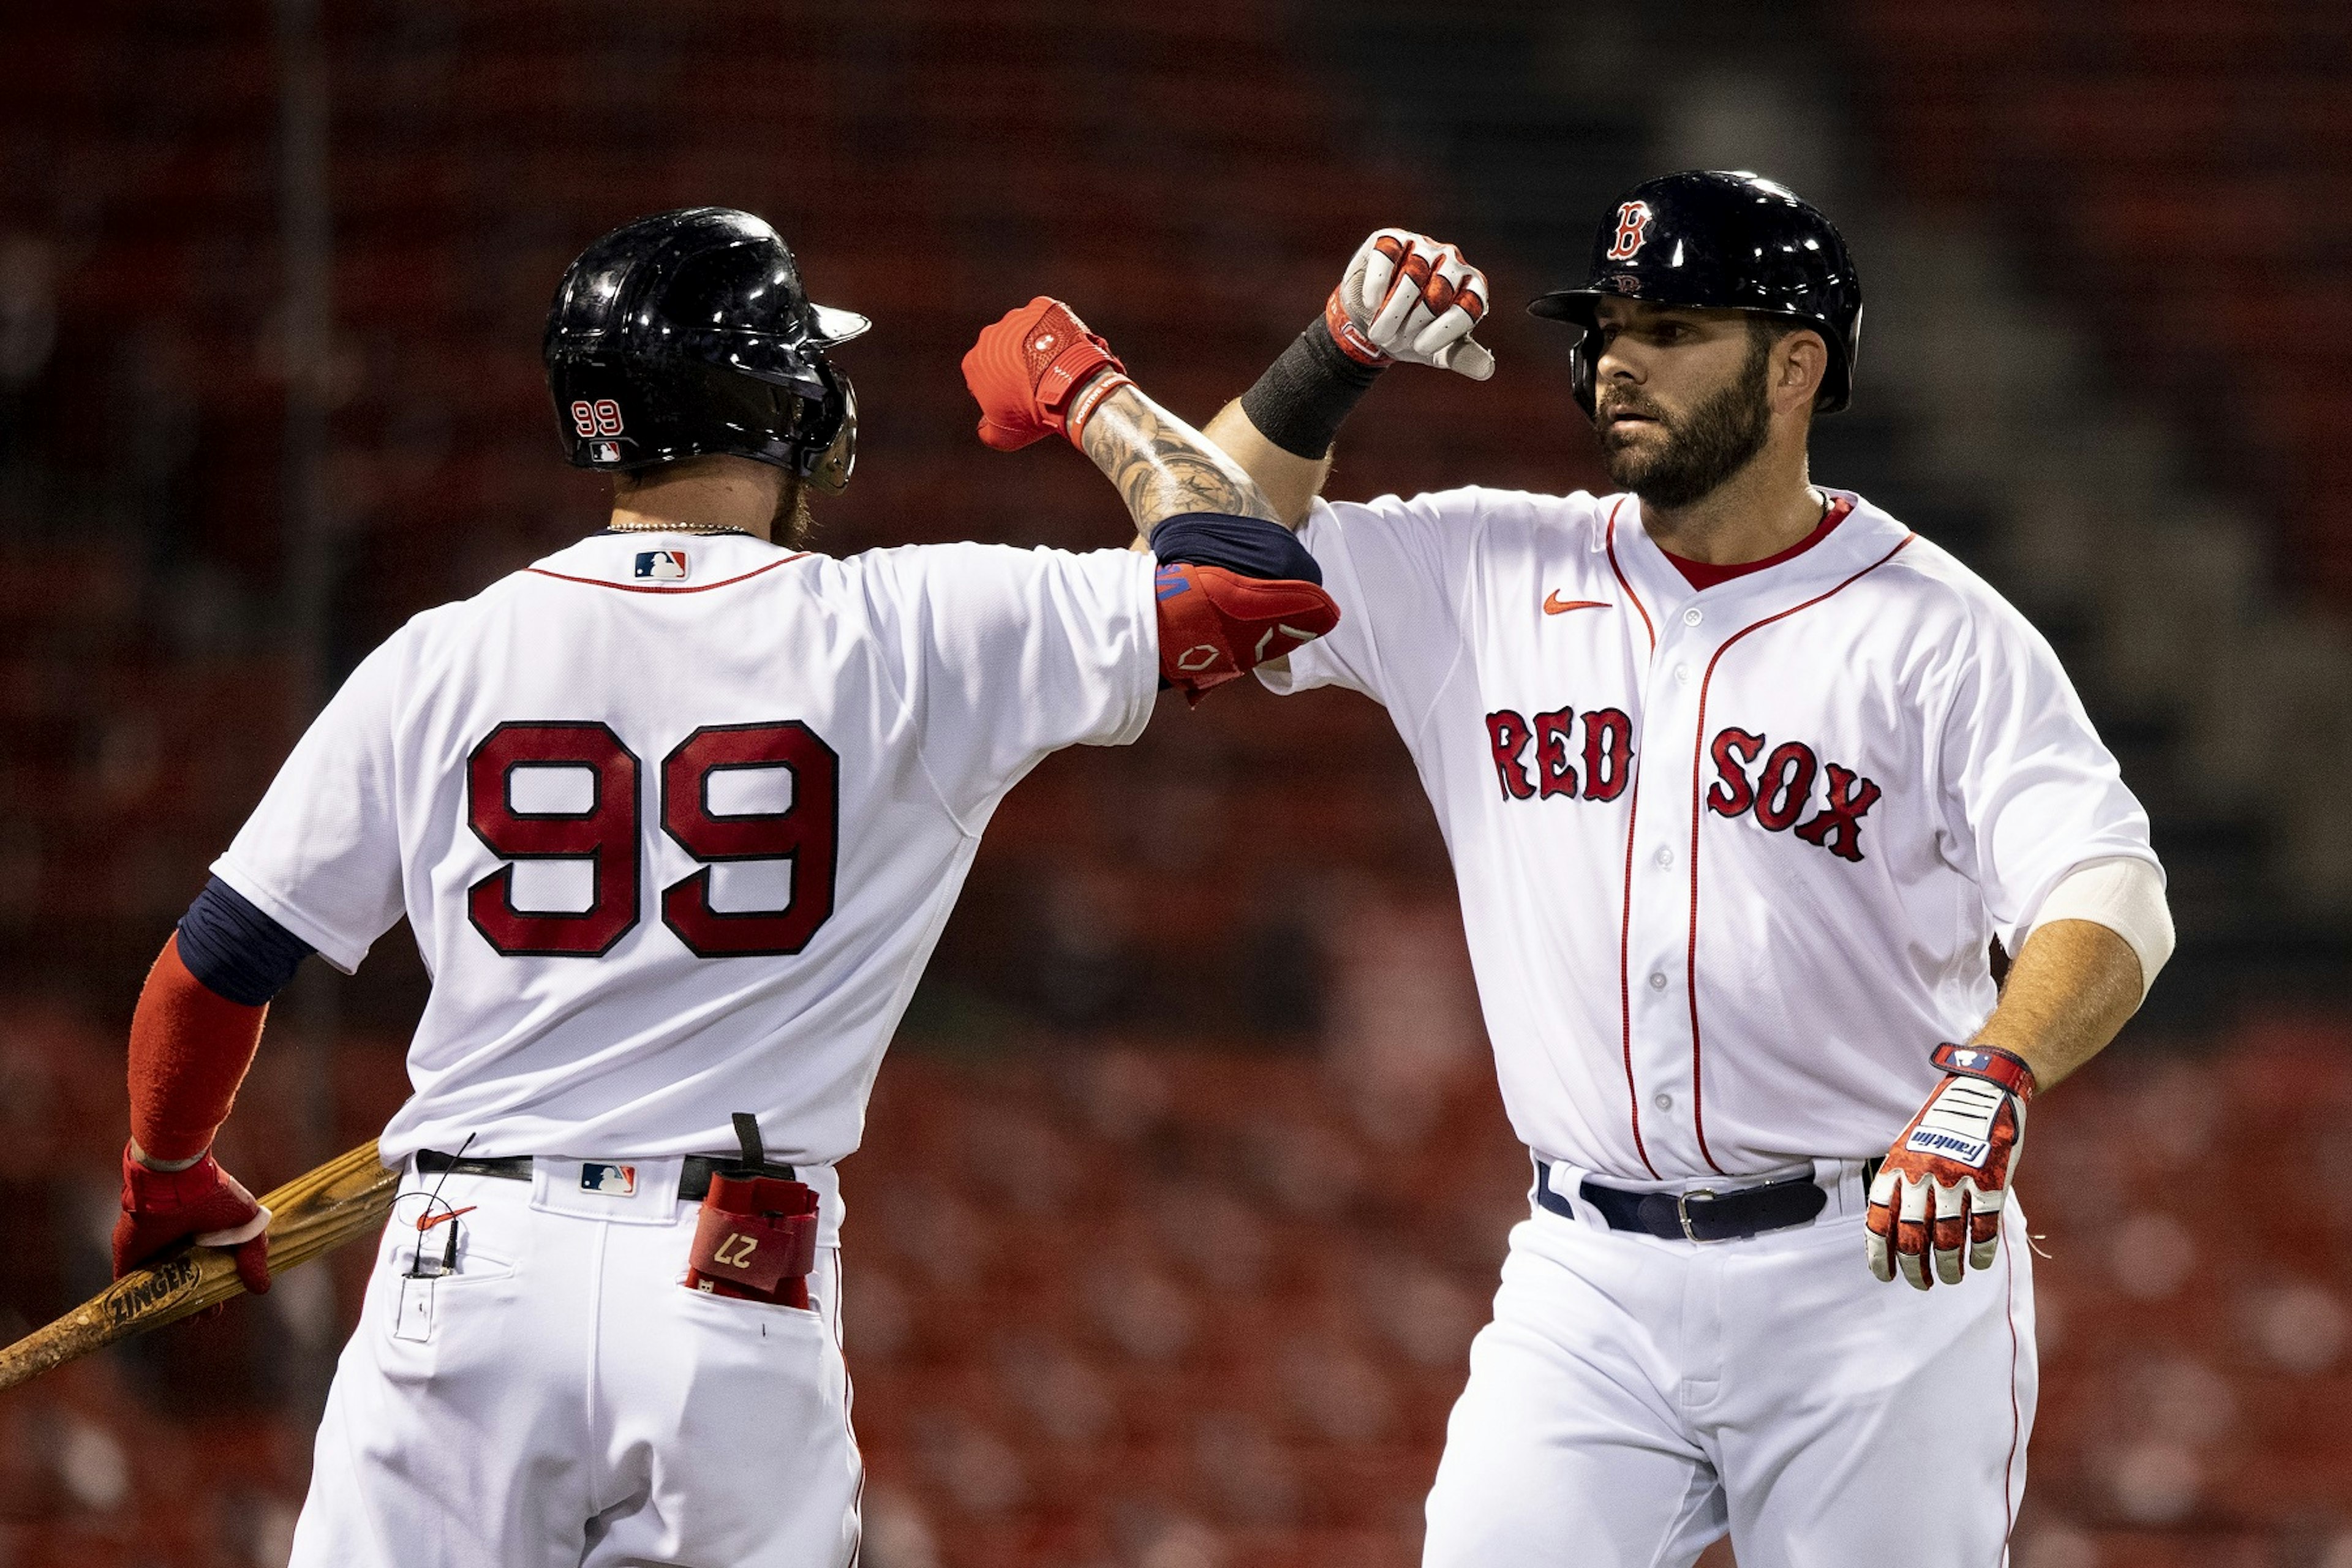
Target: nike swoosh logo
{"x": 429, "y": 1221}
{"x": 1556, "y": 605}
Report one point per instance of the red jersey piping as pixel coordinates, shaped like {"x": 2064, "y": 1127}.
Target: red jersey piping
{"x": 1625, "y": 905}
{"x": 2008, "y": 1466}
{"x": 1621, "y": 582}
{"x": 698, "y": 588}
{"x": 1699, "y": 751}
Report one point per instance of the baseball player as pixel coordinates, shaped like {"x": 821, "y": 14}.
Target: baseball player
{"x": 1741, "y": 778}
{"x": 675, "y": 815}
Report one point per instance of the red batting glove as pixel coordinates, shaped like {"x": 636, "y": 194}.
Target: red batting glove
{"x": 1034, "y": 373}
{"x": 160, "y": 1207}
{"x": 1960, "y": 1148}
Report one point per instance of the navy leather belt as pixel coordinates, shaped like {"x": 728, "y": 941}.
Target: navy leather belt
{"x": 1699, "y": 1215}
{"x": 693, "y": 1184}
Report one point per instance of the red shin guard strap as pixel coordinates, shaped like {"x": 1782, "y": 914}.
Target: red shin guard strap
{"x": 190, "y": 1048}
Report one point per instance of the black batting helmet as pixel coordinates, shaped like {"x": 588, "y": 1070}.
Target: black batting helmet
{"x": 688, "y": 333}
{"x": 1726, "y": 239}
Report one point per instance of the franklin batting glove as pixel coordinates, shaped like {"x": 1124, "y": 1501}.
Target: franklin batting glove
{"x": 1413, "y": 299}
{"x": 1946, "y": 1180}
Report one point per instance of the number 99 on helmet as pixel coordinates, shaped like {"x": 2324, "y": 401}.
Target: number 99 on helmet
{"x": 688, "y": 333}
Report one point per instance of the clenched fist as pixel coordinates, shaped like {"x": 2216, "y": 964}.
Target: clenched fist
{"x": 1409, "y": 297}
{"x": 1036, "y": 374}
{"x": 200, "y": 1201}
{"x": 1946, "y": 1181}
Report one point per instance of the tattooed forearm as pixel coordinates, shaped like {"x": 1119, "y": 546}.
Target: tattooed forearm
{"x": 1162, "y": 466}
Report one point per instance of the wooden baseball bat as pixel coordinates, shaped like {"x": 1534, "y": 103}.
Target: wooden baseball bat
{"x": 315, "y": 1213}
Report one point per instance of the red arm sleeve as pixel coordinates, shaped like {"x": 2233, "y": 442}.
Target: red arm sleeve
{"x": 190, "y": 1048}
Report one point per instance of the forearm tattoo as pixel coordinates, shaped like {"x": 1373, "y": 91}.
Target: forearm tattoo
{"x": 1162, "y": 466}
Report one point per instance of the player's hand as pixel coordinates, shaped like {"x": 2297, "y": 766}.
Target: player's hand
{"x": 1409, "y": 297}
{"x": 1031, "y": 373}
{"x": 160, "y": 1207}
{"x": 1947, "y": 1179}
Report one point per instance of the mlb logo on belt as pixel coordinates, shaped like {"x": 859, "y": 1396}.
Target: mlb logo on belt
{"x": 661, "y": 565}
{"x": 615, "y": 1181}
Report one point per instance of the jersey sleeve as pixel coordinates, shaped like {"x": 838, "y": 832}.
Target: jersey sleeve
{"x": 320, "y": 853}
{"x": 1398, "y": 570}
{"x": 2030, "y": 790}
{"x": 1004, "y": 656}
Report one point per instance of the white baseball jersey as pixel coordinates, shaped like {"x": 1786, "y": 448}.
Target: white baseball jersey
{"x": 677, "y": 820}
{"x": 1728, "y": 859}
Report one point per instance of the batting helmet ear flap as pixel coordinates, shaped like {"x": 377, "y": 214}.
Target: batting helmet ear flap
{"x": 827, "y": 470}
{"x": 1584, "y": 369}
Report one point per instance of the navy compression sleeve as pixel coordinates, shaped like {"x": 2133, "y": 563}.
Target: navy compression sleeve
{"x": 235, "y": 950}
{"x": 1248, "y": 546}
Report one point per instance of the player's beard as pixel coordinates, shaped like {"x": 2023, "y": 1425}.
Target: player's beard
{"x": 791, "y": 524}
{"x": 1704, "y": 448}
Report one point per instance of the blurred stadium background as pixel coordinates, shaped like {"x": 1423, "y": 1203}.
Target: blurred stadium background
{"x": 1161, "y": 1263}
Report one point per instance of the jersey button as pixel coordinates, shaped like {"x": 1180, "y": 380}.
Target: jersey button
{"x": 1663, "y": 1102}
{"x": 1657, "y": 980}
{"x": 1693, "y": 615}
{"x": 1666, "y": 855}
{"x": 1682, "y": 673}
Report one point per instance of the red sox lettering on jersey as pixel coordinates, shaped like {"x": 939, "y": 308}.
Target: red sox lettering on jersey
{"x": 1776, "y": 803}
{"x": 1729, "y": 859}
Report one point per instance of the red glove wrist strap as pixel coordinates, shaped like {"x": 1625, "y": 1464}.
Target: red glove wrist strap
{"x": 1991, "y": 1063}
{"x": 147, "y": 1191}
{"x": 1349, "y": 336}
{"x": 1091, "y": 396}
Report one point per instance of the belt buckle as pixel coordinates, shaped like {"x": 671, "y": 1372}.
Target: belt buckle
{"x": 1682, "y": 1214}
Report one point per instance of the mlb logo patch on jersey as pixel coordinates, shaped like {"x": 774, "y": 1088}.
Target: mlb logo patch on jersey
{"x": 661, "y": 565}
{"x": 614, "y": 1180}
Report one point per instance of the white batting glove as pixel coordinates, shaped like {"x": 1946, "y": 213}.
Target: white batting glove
{"x": 1411, "y": 298}
{"x": 1938, "y": 1194}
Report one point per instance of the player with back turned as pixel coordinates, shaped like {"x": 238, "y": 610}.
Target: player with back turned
{"x": 675, "y": 815}
{"x": 1740, "y": 779}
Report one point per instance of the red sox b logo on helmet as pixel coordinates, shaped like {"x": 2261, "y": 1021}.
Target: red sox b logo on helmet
{"x": 1633, "y": 230}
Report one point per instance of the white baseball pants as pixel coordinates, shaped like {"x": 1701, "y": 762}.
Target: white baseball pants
{"x": 1633, "y": 1398}
{"x": 562, "y": 1401}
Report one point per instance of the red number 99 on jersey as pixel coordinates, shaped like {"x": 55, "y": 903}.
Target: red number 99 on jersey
{"x": 602, "y": 417}
{"x": 605, "y": 835}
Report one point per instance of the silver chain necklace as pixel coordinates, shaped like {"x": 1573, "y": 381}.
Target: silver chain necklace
{"x": 665, "y": 528}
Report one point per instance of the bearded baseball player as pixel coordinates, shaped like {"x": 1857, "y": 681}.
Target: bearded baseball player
{"x": 675, "y": 815}
{"x": 1741, "y": 780}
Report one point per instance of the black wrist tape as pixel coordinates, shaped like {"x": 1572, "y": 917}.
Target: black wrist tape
{"x": 1304, "y": 396}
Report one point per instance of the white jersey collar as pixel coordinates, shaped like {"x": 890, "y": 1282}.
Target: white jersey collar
{"x": 1866, "y": 537}
{"x": 664, "y": 560}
